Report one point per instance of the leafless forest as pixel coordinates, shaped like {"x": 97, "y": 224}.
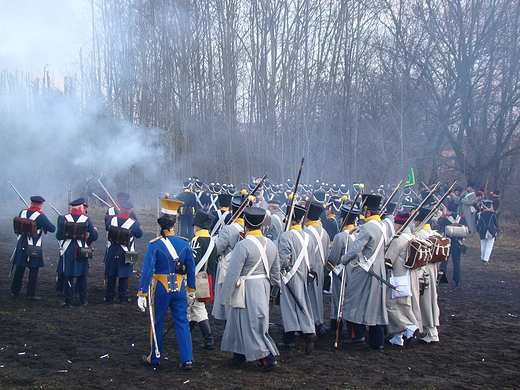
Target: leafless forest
{"x": 231, "y": 89}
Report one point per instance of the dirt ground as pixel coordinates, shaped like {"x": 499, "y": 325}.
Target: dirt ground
{"x": 100, "y": 346}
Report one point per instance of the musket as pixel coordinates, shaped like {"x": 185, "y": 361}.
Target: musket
{"x": 109, "y": 196}
{"x": 383, "y": 280}
{"x": 295, "y": 298}
{"x": 237, "y": 213}
{"x": 344, "y": 222}
{"x": 339, "y": 316}
{"x": 54, "y": 208}
{"x": 413, "y": 214}
{"x": 307, "y": 208}
{"x": 398, "y": 203}
{"x": 19, "y": 195}
{"x": 290, "y": 207}
{"x": 383, "y": 209}
{"x": 101, "y": 200}
{"x": 435, "y": 196}
{"x": 12, "y": 258}
{"x": 434, "y": 208}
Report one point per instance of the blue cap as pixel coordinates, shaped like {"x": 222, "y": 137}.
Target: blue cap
{"x": 77, "y": 202}
{"x": 37, "y": 199}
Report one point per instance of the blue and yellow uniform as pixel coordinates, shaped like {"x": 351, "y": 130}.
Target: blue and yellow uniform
{"x": 168, "y": 289}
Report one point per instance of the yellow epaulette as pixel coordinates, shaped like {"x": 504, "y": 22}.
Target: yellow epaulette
{"x": 155, "y": 239}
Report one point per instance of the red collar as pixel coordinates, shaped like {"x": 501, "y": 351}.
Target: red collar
{"x": 76, "y": 212}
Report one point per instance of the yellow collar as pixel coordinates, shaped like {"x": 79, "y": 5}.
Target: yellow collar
{"x": 240, "y": 221}
{"x": 295, "y": 227}
{"x": 169, "y": 232}
{"x": 224, "y": 208}
{"x": 313, "y": 223}
{"x": 373, "y": 218}
{"x": 426, "y": 226}
{"x": 202, "y": 233}
{"x": 348, "y": 227}
{"x": 256, "y": 233}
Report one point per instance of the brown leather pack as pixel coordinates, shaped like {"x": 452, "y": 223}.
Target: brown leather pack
{"x": 419, "y": 253}
{"x": 441, "y": 248}
{"x": 25, "y": 226}
{"x": 75, "y": 230}
{"x": 119, "y": 235}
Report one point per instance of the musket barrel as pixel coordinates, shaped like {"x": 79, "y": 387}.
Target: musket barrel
{"x": 383, "y": 209}
{"x": 291, "y": 201}
{"x": 434, "y": 209}
{"x": 101, "y": 200}
{"x": 19, "y": 195}
{"x": 108, "y": 194}
{"x": 54, "y": 208}
{"x": 413, "y": 215}
{"x": 244, "y": 204}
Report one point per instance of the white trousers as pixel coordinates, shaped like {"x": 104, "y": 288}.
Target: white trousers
{"x": 197, "y": 312}
{"x": 486, "y": 247}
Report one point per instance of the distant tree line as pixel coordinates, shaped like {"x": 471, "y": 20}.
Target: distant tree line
{"x": 363, "y": 90}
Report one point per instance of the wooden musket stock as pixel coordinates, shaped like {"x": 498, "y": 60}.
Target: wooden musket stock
{"x": 245, "y": 202}
{"x": 383, "y": 209}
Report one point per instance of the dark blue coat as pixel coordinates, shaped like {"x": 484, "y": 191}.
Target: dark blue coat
{"x": 115, "y": 264}
{"x": 43, "y": 225}
{"x": 487, "y": 222}
{"x": 72, "y": 266}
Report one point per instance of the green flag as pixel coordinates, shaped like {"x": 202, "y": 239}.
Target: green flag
{"x": 411, "y": 179}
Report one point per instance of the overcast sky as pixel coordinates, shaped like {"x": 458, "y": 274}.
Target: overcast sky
{"x": 34, "y": 33}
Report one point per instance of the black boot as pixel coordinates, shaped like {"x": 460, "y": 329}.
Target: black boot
{"x": 205, "y": 329}
{"x": 192, "y": 325}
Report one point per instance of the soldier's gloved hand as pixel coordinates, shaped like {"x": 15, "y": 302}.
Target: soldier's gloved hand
{"x": 191, "y": 298}
{"x": 142, "y": 302}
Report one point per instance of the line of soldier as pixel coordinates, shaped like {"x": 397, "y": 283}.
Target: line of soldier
{"x": 76, "y": 233}
{"x": 289, "y": 254}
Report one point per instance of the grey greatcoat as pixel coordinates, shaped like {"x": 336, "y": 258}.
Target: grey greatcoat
{"x": 319, "y": 247}
{"x": 365, "y": 296}
{"x": 430, "y": 312}
{"x": 227, "y": 238}
{"x": 402, "y": 311}
{"x": 467, "y": 209}
{"x": 276, "y": 226}
{"x": 289, "y": 248}
{"x": 339, "y": 246}
{"x": 247, "y": 330}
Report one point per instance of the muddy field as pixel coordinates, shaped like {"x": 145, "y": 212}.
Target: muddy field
{"x": 100, "y": 346}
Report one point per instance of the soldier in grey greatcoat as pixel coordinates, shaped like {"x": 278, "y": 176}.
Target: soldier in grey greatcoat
{"x": 340, "y": 244}
{"x": 319, "y": 247}
{"x": 467, "y": 208}
{"x": 430, "y": 312}
{"x": 295, "y": 302}
{"x": 255, "y": 261}
{"x": 365, "y": 296}
{"x": 404, "y": 314}
{"x": 227, "y": 238}
{"x": 277, "y": 218}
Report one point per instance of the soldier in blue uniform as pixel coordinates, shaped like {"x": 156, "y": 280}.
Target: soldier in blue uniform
{"x": 222, "y": 214}
{"x": 25, "y": 255}
{"x": 111, "y": 211}
{"x": 76, "y": 233}
{"x": 187, "y": 211}
{"x": 168, "y": 258}
{"x": 121, "y": 255}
